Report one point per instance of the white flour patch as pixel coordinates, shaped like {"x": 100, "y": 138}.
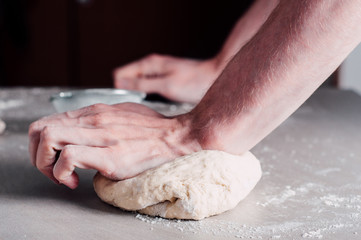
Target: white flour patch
{"x": 348, "y": 202}
{"x": 279, "y": 199}
{"x": 313, "y": 234}
{"x": 317, "y": 233}
{"x": 332, "y": 200}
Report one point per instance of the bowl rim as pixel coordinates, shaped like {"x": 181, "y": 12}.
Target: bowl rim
{"x": 100, "y": 91}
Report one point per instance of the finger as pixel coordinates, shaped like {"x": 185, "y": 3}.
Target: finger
{"x": 87, "y": 117}
{"x": 131, "y": 70}
{"x": 148, "y": 85}
{"x": 58, "y": 137}
{"x": 45, "y": 158}
{"x": 34, "y": 139}
{"x": 36, "y": 127}
{"x": 54, "y": 139}
{"x": 126, "y": 83}
{"x": 66, "y": 119}
{"x": 149, "y": 68}
{"x": 49, "y": 174}
{"x": 84, "y": 157}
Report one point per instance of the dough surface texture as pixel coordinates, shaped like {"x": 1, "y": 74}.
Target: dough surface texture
{"x": 194, "y": 186}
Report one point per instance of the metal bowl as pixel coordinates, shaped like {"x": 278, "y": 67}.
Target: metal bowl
{"x": 71, "y": 100}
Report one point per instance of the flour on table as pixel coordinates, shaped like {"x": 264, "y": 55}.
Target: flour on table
{"x": 195, "y": 186}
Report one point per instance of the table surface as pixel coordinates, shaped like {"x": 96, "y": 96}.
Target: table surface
{"x": 311, "y": 184}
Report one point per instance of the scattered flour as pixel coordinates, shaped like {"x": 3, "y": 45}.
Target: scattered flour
{"x": 349, "y": 202}
{"x": 313, "y": 234}
{"x": 210, "y": 227}
{"x": 303, "y": 225}
{"x": 227, "y": 229}
{"x": 330, "y": 228}
{"x": 281, "y": 198}
{"x": 332, "y": 200}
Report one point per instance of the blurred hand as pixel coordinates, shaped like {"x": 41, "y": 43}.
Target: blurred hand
{"x": 119, "y": 141}
{"x": 177, "y": 79}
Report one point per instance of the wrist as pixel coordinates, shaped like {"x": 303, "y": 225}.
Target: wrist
{"x": 214, "y": 65}
{"x": 181, "y": 136}
{"x": 200, "y": 130}
{"x": 221, "y": 60}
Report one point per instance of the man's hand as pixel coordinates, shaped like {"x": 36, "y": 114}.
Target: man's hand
{"x": 178, "y": 79}
{"x": 119, "y": 141}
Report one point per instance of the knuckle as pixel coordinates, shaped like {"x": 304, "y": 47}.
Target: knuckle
{"x": 69, "y": 114}
{"x": 64, "y": 167}
{"x": 61, "y": 173}
{"x": 67, "y": 155}
{"x": 34, "y": 127}
{"x": 97, "y": 120}
{"x": 108, "y": 170}
{"x": 47, "y": 134}
{"x": 113, "y": 168}
{"x": 96, "y": 107}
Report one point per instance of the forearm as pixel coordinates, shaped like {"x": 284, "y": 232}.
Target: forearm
{"x": 245, "y": 28}
{"x": 297, "y": 48}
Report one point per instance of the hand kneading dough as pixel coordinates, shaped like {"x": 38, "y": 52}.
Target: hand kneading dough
{"x": 195, "y": 186}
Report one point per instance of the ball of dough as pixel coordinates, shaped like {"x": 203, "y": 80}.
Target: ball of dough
{"x": 194, "y": 186}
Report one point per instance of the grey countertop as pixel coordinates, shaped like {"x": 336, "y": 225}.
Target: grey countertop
{"x": 311, "y": 184}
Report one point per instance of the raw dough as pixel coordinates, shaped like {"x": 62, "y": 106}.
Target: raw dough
{"x": 195, "y": 186}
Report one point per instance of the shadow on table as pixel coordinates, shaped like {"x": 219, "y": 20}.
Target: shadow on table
{"x": 23, "y": 181}
{"x": 18, "y": 126}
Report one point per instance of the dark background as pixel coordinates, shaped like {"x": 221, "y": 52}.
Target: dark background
{"x": 79, "y": 43}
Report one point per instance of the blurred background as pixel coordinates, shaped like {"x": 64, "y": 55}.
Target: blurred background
{"x": 78, "y": 43}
